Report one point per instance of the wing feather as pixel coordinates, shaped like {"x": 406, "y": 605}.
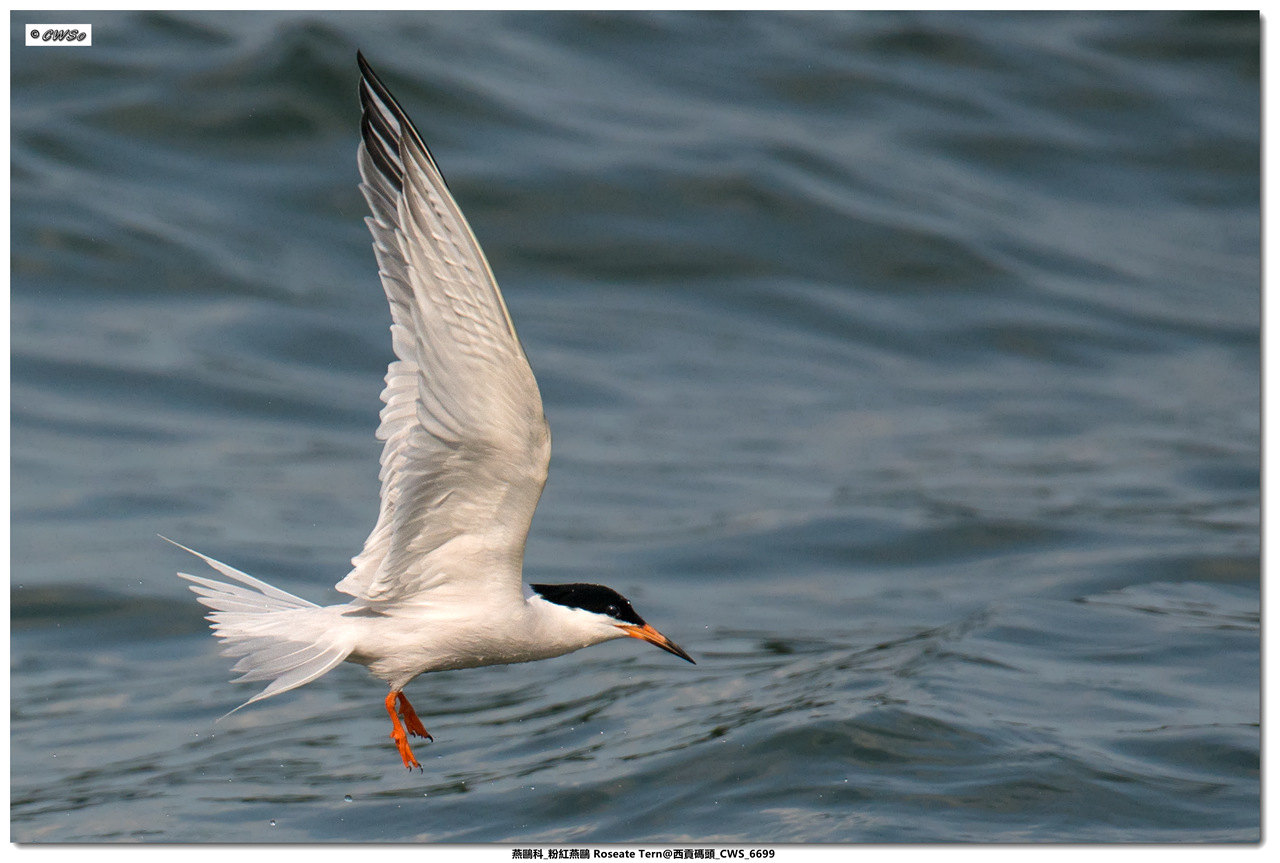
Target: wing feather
{"x": 466, "y": 443}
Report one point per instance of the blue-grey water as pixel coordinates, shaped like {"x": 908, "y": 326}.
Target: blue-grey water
{"x": 903, "y": 368}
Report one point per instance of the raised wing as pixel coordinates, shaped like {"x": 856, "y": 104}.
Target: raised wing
{"x": 466, "y": 441}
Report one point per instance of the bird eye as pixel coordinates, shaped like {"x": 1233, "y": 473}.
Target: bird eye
{"x": 612, "y": 610}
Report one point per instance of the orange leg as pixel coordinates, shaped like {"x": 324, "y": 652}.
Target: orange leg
{"x": 397, "y": 733}
{"x": 411, "y": 720}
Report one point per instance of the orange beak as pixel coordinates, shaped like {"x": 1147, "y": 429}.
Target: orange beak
{"x": 651, "y": 635}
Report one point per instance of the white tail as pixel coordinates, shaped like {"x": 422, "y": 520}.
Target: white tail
{"x": 279, "y": 637}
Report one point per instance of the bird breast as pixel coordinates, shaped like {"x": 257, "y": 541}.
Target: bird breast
{"x": 398, "y": 647}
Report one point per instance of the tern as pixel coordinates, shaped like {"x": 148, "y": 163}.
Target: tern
{"x": 438, "y": 584}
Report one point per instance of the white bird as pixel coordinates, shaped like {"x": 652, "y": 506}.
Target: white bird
{"x": 438, "y": 584}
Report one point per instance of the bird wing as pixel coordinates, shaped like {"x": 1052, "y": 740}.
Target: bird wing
{"x": 466, "y": 441}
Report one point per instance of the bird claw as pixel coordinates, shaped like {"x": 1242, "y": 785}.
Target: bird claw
{"x": 411, "y": 720}
{"x": 402, "y": 745}
{"x": 398, "y": 735}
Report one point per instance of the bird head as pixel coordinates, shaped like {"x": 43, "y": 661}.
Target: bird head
{"x": 611, "y": 609}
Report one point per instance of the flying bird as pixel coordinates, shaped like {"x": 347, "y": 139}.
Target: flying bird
{"x": 438, "y": 584}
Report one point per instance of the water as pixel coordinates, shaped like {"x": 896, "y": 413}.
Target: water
{"x": 903, "y": 368}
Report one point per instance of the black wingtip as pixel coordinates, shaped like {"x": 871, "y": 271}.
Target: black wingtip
{"x": 374, "y": 86}
{"x": 363, "y": 63}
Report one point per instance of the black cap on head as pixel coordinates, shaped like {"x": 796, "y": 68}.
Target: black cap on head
{"x": 590, "y": 597}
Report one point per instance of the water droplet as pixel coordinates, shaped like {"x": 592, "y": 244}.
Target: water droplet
{"x": 347, "y": 798}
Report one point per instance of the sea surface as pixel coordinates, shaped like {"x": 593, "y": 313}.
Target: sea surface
{"x": 903, "y": 368}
